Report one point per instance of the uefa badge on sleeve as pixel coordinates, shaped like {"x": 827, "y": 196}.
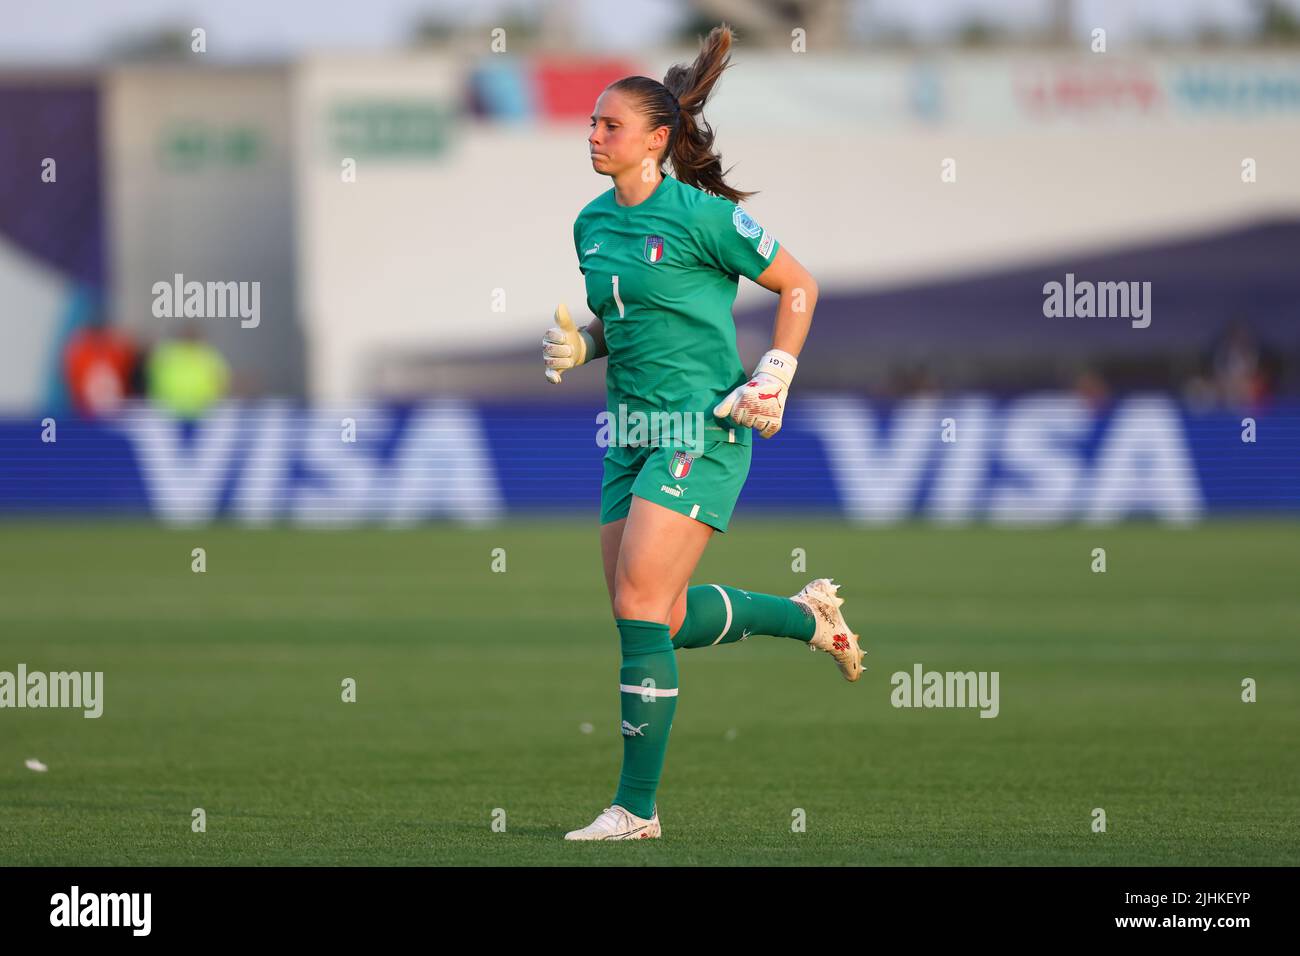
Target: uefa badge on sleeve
{"x": 745, "y": 224}
{"x": 680, "y": 465}
{"x": 654, "y": 248}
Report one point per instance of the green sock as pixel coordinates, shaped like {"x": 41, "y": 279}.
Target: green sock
{"x": 718, "y": 614}
{"x": 648, "y": 698}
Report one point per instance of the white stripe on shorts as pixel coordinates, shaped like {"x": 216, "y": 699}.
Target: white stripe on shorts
{"x": 695, "y": 509}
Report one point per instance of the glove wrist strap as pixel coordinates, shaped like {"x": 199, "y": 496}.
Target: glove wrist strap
{"x": 589, "y": 343}
{"x": 778, "y": 364}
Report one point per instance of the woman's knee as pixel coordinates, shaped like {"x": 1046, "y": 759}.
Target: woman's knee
{"x": 640, "y": 604}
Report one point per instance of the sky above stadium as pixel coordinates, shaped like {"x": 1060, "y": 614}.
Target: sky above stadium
{"x": 81, "y": 30}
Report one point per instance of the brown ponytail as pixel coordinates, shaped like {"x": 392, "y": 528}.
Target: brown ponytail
{"x": 678, "y": 103}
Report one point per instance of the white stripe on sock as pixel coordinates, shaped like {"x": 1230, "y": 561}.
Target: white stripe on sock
{"x": 648, "y": 691}
{"x": 725, "y": 627}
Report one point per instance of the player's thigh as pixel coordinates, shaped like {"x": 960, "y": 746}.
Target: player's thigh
{"x": 657, "y": 556}
{"x": 611, "y": 537}
{"x": 620, "y": 468}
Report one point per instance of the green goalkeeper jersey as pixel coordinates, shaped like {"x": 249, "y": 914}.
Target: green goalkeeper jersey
{"x": 662, "y": 276}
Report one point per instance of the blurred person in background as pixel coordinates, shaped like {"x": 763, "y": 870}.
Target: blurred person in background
{"x": 1091, "y": 387}
{"x": 1240, "y": 370}
{"x": 186, "y": 375}
{"x": 99, "y": 365}
{"x": 1237, "y": 373}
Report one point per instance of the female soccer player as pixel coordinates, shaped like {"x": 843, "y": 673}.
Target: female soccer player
{"x": 661, "y": 256}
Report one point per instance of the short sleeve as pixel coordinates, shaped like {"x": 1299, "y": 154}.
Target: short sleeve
{"x": 577, "y": 243}
{"x": 732, "y": 241}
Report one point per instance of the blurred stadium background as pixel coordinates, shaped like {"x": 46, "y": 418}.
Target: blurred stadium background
{"x": 405, "y": 214}
{"x": 400, "y": 180}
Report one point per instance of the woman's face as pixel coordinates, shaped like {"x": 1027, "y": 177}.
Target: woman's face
{"x": 619, "y": 139}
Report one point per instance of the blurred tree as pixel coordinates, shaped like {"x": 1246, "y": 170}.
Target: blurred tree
{"x": 166, "y": 43}
{"x": 1278, "y": 23}
{"x": 768, "y": 23}
{"x": 979, "y": 33}
{"x": 1061, "y": 26}
{"x": 439, "y": 30}
{"x": 433, "y": 29}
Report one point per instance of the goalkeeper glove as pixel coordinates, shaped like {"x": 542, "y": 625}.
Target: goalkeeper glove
{"x": 565, "y": 346}
{"x": 760, "y": 402}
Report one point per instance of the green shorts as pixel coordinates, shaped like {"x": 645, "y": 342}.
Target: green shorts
{"x": 704, "y": 486}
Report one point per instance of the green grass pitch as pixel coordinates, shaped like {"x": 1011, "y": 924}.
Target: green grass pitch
{"x": 222, "y": 691}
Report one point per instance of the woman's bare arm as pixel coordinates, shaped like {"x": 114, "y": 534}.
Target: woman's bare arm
{"x": 798, "y": 291}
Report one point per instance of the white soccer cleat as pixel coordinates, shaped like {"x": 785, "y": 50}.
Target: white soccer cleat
{"x": 833, "y": 633}
{"x": 617, "y": 823}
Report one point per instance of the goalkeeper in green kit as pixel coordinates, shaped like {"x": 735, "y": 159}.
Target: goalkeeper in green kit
{"x": 661, "y": 256}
